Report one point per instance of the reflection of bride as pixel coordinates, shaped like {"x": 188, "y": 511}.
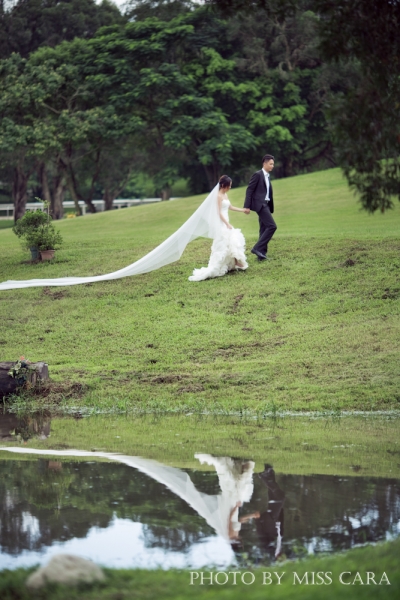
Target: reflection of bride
{"x": 236, "y": 482}
{"x": 219, "y": 510}
{"x": 206, "y": 221}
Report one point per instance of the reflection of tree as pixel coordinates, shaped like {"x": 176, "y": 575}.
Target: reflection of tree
{"x": 42, "y": 502}
{"x": 39, "y": 505}
{"x": 174, "y": 539}
{"x": 332, "y": 501}
{"x": 24, "y": 427}
{"x": 325, "y": 513}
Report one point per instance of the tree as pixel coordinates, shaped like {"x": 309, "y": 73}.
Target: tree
{"x": 151, "y": 67}
{"x": 21, "y": 134}
{"x": 31, "y": 24}
{"x": 366, "y": 35}
{"x": 360, "y": 40}
{"x": 165, "y": 10}
{"x": 27, "y": 139}
{"x": 189, "y": 96}
{"x": 64, "y": 125}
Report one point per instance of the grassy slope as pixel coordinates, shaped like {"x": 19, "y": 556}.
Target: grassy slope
{"x": 149, "y": 585}
{"x": 317, "y": 328}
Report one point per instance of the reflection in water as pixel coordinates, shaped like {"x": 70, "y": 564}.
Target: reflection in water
{"x": 235, "y": 479}
{"x": 269, "y": 523}
{"x": 144, "y": 513}
{"x": 35, "y": 425}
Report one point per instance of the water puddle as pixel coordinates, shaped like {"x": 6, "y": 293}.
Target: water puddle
{"x": 183, "y": 493}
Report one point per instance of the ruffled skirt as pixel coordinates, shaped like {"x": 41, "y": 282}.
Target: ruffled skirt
{"x": 227, "y": 247}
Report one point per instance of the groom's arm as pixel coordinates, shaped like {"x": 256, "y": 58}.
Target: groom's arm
{"x": 250, "y": 190}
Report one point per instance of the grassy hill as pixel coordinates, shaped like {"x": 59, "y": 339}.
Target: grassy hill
{"x": 317, "y": 328}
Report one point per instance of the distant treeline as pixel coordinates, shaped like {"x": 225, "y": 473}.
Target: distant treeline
{"x": 90, "y": 97}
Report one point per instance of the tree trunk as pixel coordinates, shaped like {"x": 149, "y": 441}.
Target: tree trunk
{"x": 212, "y": 174}
{"x": 166, "y": 193}
{"x": 55, "y": 196}
{"x": 90, "y": 205}
{"x": 287, "y": 167}
{"x": 108, "y": 197}
{"x": 109, "y": 194}
{"x": 44, "y": 180}
{"x": 74, "y": 197}
{"x": 96, "y": 174}
{"x": 19, "y": 192}
{"x": 74, "y": 187}
{"x": 57, "y": 209}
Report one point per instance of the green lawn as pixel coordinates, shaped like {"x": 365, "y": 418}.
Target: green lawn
{"x": 6, "y": 223}
{"x": 175, "y": 585}
{"x": 317, "y": 328}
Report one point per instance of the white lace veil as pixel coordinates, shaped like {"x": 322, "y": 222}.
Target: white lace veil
{"x": 204, "y": 222}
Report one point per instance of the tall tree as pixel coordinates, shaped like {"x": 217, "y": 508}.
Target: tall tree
{"x": 23, "y": 138}
{"x": 275, "y": 88}
{"x": 165, "y": 10}
{"x": 30, "y": 24}
{"x": 366, "y": 35}
{"x": 55, "y": 120}
{"x": 148, "y": 65}
{"x": 360, "y": 39}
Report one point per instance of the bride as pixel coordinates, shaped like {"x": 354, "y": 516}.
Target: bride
{"x": 209, "y": 220}
{"x": 227, "y": 251}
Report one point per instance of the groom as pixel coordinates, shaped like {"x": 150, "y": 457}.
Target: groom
{"x": 259, "y": 197}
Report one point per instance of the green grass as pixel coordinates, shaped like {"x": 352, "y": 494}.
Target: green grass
{"x": 6, "y": 223}
{"x": 149, "y": 585}
{"x": 343, "y": 446}
{"x": 317, "y": 328}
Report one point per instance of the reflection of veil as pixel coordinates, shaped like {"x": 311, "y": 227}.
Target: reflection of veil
{"x": 213, "y": 508}
{"x": 204, "y": 222}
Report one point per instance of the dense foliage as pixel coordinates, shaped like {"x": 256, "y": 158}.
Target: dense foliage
{"x": 172, "y": 89}
{"x": 359, "y": 44}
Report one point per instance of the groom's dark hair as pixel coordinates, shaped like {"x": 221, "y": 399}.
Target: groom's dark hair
{"x": 267, "y": 157}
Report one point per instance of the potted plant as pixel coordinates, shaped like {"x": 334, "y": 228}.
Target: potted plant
{"x": 39, "y": 233}
{"x": 28, "y": 223}
{"x": 46, "y": 239}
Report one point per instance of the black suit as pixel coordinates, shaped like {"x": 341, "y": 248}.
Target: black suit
{"x": 255, "y": 200}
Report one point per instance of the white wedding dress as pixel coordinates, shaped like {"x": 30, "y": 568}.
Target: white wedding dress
{"x": 228, "y": 247}
{"x": 204, "y": 222}
{"x": 235, "y": 477}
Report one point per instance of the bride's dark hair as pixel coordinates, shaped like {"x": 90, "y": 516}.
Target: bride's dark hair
{"x": 224, "y": 181}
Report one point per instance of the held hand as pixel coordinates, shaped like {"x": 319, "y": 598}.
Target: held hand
{"x": 246, "y": 211}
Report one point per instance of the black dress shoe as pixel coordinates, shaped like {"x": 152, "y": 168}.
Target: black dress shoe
{"x": 259, "y": 255}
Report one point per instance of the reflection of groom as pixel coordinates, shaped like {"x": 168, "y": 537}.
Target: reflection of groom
{"x": 259, "y": 197}
{"x": 270, "y": 522}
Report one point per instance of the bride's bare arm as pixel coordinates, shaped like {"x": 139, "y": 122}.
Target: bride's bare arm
{"x": 243, "y": 210}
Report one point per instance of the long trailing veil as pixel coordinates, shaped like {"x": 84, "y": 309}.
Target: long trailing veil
{"x": 214, "y": 508}
{"x": 204, "y": 222}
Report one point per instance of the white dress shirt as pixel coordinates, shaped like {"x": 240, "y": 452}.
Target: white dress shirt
{"x": 266, "y": 176}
